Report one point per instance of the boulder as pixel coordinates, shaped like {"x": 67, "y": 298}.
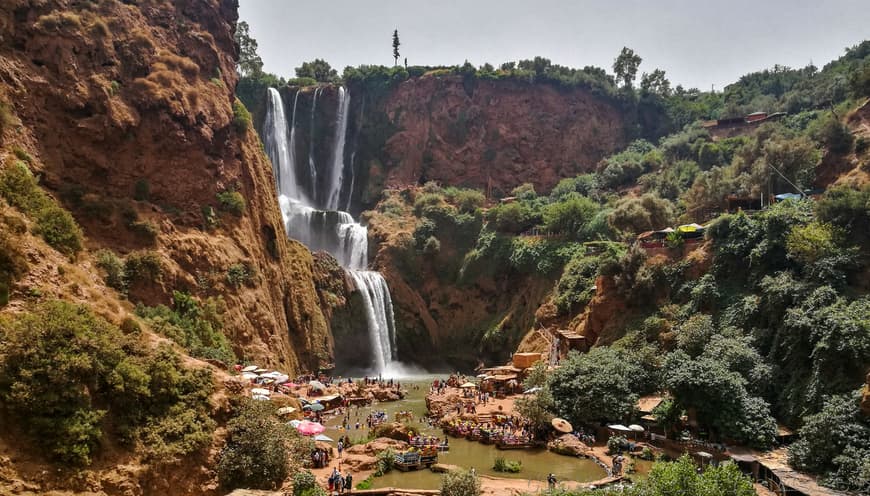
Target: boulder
{"x": 393, "y": 430}
{"x": 568, "y": 444}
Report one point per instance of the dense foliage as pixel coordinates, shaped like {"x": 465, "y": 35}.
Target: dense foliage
{"x": 69, "y": 378}
{"x": 261, "y": 451}
{"x": 460, "y": 483}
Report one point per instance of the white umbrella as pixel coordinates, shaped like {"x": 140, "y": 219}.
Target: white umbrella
{"x": 260, "y": 397}
{"x": 261, "y": 391}
{"x": 321, "y": 437}
{"x": 249, "y": 375}
{"x": 250, "y": 368}
{"x": 636, "y": 428}
{"x": 294, "y": 423}
{"x": 317, "y": 385}
{"x": 260, "y": 371}
{"x": 532, "y": 390}
{"x": 285, "y": 410}
{"x": 468, "y": 385}
{"x": 619, "y": 427}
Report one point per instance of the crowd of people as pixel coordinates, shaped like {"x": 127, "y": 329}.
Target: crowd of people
{"x": 339, "y": 484}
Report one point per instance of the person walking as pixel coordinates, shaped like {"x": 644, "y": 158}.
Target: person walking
{"x": 340, "y": 448}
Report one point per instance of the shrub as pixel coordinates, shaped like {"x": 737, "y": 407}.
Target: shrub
{"x": 836, "y": 136}
{"x": 113, "y": 266}
{"x": 142, "y": 190}
{"x": 20, "y": 153}
{"x": 427, "y": 200}
{"x": 241, "y": 117}
{"x": 432, "y": 246}
{"x": 7, "y": 118}
{"x": 240, "y": 274}
{"x": 615, "y": 444}
{"x": 142, "y": 266}
{"x": 304, "y": 481}
{"x": 385, "y": 462}
{"x": 258, "y": 450}
{"x": 146, "y": 230}
{"x": 460, "y": 483}
{"x": 232, "y": 202}
{"x": 193, "y": 324}
{"x": 365, "y": 484}
{"x": 511, "y": 466}
{"x": 54, "y": 224}
{"x": 66, "y": 369}
{"x": 12, "y": 265}
{"x": 467, "y": 200}
{"x": 58, "y": 228}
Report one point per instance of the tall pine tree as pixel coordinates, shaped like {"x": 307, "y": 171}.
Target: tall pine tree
{"x": 396, "y": 47}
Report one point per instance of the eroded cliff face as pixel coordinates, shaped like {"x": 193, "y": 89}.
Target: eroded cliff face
{"x": 126, "y": 110}
{"x": 496, "y": 135}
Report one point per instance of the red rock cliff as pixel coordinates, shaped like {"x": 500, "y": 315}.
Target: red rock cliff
{"x": 496, "y": 135}
{"x": 115, "y": 98}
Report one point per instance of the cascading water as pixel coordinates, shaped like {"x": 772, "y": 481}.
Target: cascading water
{"x": 330, "y": 230}
{"x": 312, "y": 167}
{"x": 336, "y": 172}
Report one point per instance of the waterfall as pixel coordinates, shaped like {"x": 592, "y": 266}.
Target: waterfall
{"x": 330, "y": 229}
{"x": 275, "y": 131}
{"x": 336, "y": 171}
{"x": 379, "y": 314}
{"x": 312, "y": 168}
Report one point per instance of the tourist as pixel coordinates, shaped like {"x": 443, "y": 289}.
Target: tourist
{"x": 340, "y": 448}
{"x": 348, "y": 482}
{"x": 551, "y": 481}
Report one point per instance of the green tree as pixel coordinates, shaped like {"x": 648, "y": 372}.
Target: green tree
{"x": 396, "y": 47}
{"x": 249, "y": 63}
{"x": 625, "y": 66}
{"x": 570, "y": 216}
{"x": 656, "y": 83}
{"x": 597, "y": 386}
{"x": 317, "y": 69}
{"x": 634, "y": 215}
{"x": 682, "y": 478}
{"x": 260, "y": 450}
{"x": 835, "y": 442}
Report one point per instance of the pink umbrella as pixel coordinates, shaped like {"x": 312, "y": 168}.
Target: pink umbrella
{"x": 308, "y": 428}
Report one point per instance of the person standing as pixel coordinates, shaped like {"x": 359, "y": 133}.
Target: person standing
{"x": 340, "y": 448}
{"x": 348, "y": 482}
{"x": 551, "y": 481}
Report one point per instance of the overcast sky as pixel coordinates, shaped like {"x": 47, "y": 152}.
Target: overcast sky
{"x": 698, "y": 42}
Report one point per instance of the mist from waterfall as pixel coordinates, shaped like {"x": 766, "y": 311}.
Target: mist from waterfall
{"x": 329, "y": 229}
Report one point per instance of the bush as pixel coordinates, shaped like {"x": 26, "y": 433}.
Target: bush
{"x": 460, "y": 483}
{"x": 142, "y": 266}
{"x": 836, "y": 136}
{"x": 113, "y": 266}
{"x": 193, "y": 324}
{"x": 58, "y": 228}
{"x": 467, "y": 200}
{"x": 257, "y": 454}
{"x": 241, "y": 274}
{"x": 145, "y": 230}
{"x": 616, "y": 444}
{"x": 54, "y": 224}
{"x": 142, "y": 190}
{"x": 385, "y": 462}
{"x": 432, "y": 246}
{"x": 66, "y": 369}
{"x": 304, "y": 481}
{"x": 241, "y": 117}
{"x": 232, "y": 202}
{"x": 7, "y": 118}
{"x": 510, "y": 466}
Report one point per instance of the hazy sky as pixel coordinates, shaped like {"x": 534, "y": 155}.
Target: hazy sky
{"x": 698, "y": 42}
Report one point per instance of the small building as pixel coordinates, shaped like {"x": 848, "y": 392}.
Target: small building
{"x": 756, "y": 116}
{"x": 771, "y": 469}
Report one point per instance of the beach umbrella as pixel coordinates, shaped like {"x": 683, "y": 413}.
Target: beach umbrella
{"x": 532, "y": 390}
{"x": 562, "y": 425}
{"x": 468, "y": 385}
{"x": 260, "y": 371}
{"x": 285, "y": 410}
{"x": 314, "y": 407}
{"x": 636, "y": 428}
{"x": 260, "y": 397}
{"x": 317, "y": 385}
{"x": 250, "y": 368}
{"x": 261, "y": 392}
{"x": 308, "y": 428}
{"x": 619, "y": 427}
{"x": 322, "y": 437}
{"x": 294, "y": 423}
{"x": 250, "y": 376}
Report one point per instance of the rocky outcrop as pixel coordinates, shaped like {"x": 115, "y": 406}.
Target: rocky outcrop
{"x": 568, "y": 444}
{"x": 126, "y": 110}
{"x": 496, "y": 135}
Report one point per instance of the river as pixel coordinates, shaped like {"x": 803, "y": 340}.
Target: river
{"x": 536, "y": 463}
